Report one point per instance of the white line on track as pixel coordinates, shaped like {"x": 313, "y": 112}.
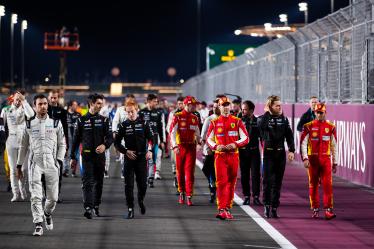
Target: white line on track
{"x": 266, "y": 226}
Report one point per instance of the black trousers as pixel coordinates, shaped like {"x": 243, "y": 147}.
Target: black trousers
{"x": 93, "y": 167}
{"x": 209, "y": 171}
{"x": 250, "y": 163}
{"x": 274, "y": 167}
{"x": 137, "y": 168}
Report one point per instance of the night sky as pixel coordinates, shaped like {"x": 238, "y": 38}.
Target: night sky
{"x": 142, "y": 38}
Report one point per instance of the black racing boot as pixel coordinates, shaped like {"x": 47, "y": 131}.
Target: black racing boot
{"x": 142, "y": 207}
{"x": 130, "y": 214}
{"x": 246, "y": 200}
{"x": 150, "y": 183}
{"x": 88, "y": 213}
{"x": 267, "y": 211}
{"x": 96, "y": 211}
{"x": 256, "y": 201}
{"x": 274, "y": 213}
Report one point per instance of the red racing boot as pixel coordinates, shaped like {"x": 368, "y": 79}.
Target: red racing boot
{"x": 189, "y": 201}
{"x": 181, "y": 199}
{"x": 229, "y": 216}
{"x": 221, "y": 214}
{"x": 315, "y": 214}
{"x": 329, "y": 214}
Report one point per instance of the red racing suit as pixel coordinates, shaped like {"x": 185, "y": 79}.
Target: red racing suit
{"x": 223, "y": 131}
{"x": 184, "y": 133}
{"x": 318, "y": 145}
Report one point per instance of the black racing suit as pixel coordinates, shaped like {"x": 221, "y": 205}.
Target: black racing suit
{"x": 59, "y": 113}
{"x": 72, "y": 119}
{"x": 305, "y": 118}
{"x": 136, "y": 134}
{"x": 274, "y": 131}
{"x": 91, "y": 131}
{"x": 156, "y": 121}
{"x": 250, "y": 159}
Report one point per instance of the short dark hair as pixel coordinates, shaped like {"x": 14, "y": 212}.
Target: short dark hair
{"x": 21, "y": 91}
{"x": 130, "y": 95}
{"x": 53, "y": 91}
{"x": 250, "y": 104}
{"x": 181, "y": 98}
{"x": 151, "y": 97}
{"x": 92, "y": 98}
{"x": 203, "y": 103}
{"x": 237, "y": 101}
{"x": 39, "y": 96}
{"x": 220, "y": 96}
{"x": 70, "y": 103}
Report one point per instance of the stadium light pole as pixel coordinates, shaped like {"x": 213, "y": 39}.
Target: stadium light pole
{"x": 13, "y": 21}
{"x": 304, "y": 8}
{"x": 332, "y": 6}
{"x": 284, "y": 18}
{"x": 198, "y": 37}
{"x": 23, "y": 28}
{"x": 2, "y": 13}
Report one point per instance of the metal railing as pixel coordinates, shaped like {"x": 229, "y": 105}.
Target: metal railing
{"x": 331, "y": 58}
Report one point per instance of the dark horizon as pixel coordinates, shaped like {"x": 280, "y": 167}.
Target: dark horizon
{"x": 142, "y": 38}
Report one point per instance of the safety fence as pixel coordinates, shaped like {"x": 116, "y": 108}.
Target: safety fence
{"x": 331, "y": 58}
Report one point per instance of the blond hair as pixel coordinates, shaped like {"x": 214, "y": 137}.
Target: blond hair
{"x": 271, "y": 99}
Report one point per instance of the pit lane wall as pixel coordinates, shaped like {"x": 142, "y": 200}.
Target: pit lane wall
{"x": 355, "y": 135}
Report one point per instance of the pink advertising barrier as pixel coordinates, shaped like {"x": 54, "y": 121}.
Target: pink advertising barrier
{"x": 355, "y": 132}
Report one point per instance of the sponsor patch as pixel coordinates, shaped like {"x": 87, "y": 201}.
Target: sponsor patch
{"x": 232, "y": 125}
{"x": 325, "y": 138}
{"x": 193, "y": 120}
{"x": 193, "y": 127}
{"x": 219, "y": 130}
{"x": 314, "y": 134}
{"x": 233, "y": 133}
{"x": 183, "y": 123}
{"x": 327, "y": 130}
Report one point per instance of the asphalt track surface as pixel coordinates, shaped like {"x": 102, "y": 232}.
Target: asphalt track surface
{"x": 166, "y": 224}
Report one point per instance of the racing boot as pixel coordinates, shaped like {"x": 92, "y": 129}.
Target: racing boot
{"x": 48, "y": 221}
{"x": 267, "y": 211}
{"x": 229, "y": 216}
{"x": 181, "y": 198}
{"x": 189, "y": 201}
{"x": 256, "y": 201}
{"x": 274, "y": 213}
{"x": 315, "y": 214}
{"x": 38, "y": 229}
{"x": 329, "y": 214}
{"x": 150, "y": 183}
{"x": 88, "y": 213}
{"x": 96, "y": 211}
{"x": 142, "y": 207}
{"x": 246, "y": 201}
{"x": 221, "y": 214}
{"x": 130, "y": 214}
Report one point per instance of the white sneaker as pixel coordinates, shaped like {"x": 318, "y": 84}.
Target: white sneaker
{"x": 16, "y": 197}
{"x": 157, "y": 176}
{"x": 48, "y": 221}
{"x": 38, "y": 230}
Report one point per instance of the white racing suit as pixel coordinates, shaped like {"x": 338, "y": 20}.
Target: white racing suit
{"x": 45, "y": 138}
{"x": 14, "y": 123}
{"x": 119, "y": 117}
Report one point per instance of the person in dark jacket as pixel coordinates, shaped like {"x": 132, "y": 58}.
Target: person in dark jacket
{"x": 138, "y": 138}
{"x": 94, "y": 132}
{"x": 55, "y": 111}
{"x": 250, "y": 159}
{"x": 274, "y": 129}
{"x": 309, "y": 115}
